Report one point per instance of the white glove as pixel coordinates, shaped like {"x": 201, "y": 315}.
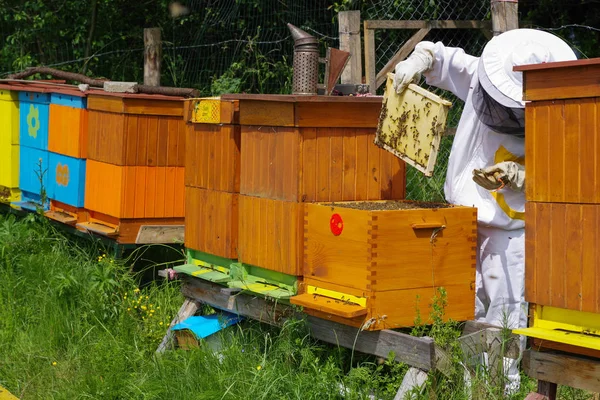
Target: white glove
{"x": 507, "y": 173}
{"x": 410, "y": 69}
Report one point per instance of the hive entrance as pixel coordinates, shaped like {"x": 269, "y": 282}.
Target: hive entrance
{"x": 388, "y": 205}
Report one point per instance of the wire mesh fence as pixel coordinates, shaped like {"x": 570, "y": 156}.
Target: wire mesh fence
{"x": 227, "y": 45}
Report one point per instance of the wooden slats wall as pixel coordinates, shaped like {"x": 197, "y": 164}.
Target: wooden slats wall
{"x": 563, "y": 151}
{"x": 68, "y": 131}
{"x": 271, "y": 234}
{"x": 213, "y": 157}
{"x": 140, "y": 140}
{"x": 562, "y": 255}
{"x": 211, "y": 222}
{"x": 318, "y": 164}
{"x": 134, "y": 192}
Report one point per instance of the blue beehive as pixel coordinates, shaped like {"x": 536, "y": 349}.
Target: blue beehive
{"x": 32, "y": 160}
{"x": 66, "y": 179}
{"x": 34, "y": 113}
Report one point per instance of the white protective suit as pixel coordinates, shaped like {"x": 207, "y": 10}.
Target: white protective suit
{"x": 501, "y": 238}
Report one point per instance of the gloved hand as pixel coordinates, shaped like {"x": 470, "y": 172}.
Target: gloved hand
{"x": 507, "y": 173}
{"x": 410, "y": 69}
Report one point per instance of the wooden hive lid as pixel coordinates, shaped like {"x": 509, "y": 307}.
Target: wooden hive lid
{"x": 307, "y": 111}
{"x": 561, "y": 80}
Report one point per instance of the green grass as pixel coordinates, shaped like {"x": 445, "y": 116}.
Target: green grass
{"x": 75, "y": 325}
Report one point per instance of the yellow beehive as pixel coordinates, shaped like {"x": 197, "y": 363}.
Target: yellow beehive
{"x": 9, "y": 145}
{"x": 411, "y": 125}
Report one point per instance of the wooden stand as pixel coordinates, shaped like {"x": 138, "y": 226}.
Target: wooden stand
{"x": 558, "y": 368}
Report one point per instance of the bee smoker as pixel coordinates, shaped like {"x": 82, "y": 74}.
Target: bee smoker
{"x": 306, "y": 62}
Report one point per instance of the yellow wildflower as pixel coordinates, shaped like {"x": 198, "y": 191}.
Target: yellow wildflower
{"x": 147, "y": 297}
{"x": 158, "y": 307}
{"x": 129, "y": 309}
{"x": 144, "y": 308}
{"x": 160, "y": 323}
{"x": 136, "y": 290}
{"x": 259, "y": 367}
{"x": 151, "y": 305}
{"x": 54, "y": 363}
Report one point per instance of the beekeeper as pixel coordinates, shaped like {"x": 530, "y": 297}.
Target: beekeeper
{"x": 486, "y": 165}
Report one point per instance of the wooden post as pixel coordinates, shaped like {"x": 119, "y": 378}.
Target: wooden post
{"x": 370, "y": 61}
{"x": 349, "y": 30}
{"x": 505, "y": 15}
{"x": 152, "y": 56}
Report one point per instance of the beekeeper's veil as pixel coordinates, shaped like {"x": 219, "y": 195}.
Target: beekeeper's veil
{"x": 498, "y": 96}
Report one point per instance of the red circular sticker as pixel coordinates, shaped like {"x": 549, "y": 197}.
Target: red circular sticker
{"x": 336, "y": 224}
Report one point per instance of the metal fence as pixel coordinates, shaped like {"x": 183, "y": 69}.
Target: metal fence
{"x": 244, "y": 45}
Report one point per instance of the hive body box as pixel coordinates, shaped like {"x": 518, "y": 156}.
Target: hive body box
{"x": 134, "y": 172}
{"x": 212, "y": 177}
{"x": 9, "y": 145}
{"x": 367, "y": 268}
{"x": 562, "y": 143}
{"x": 67, "y": 146}
{"x": 299, "y": 149}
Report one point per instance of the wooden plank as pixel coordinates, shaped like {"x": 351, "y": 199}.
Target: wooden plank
{"x": 414, "y": 379}
{"x": 411, "y": 24}
{"x": 187, "y": 309}
{"x": 104, "y": 103}
{"x": 338, "y": 115}
{"x": 575, "y": 81}
{"x": 349, "y": 32}
{"x": 563, "y": 369}
{"x": 505, "y": 16}
{"x": 414, "y": 351}
{"x": 558, "y": 252}
{"x": 161, "y": 108}
{"x": 370, "y": 60}
{"x": 349, "y": 165}
{"x": 573, "y": 260}
{"x": 156, "y": 234}
{"x": 256, "y": 112}
{"x": 404, "y": 52}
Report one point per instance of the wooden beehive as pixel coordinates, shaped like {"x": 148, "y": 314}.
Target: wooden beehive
{"x": 212, "y": 176}
{"x": 562, "y": 153}
{"x": 411, "y": 125}
{"x": 136, "y": 129}
{"x": 297, "y": 149}
{"x": 562, "y": 213}
{"x": 365, "y": 263}
{"x": 9, "y": 145}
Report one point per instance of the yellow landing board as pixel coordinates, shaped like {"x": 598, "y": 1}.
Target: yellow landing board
{"x": 6, "y": 395}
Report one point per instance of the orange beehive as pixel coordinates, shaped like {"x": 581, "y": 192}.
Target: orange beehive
{"x": 365, "y": 263}
{"x": 297, "y": 149}
{"x": 562, "y": 213}
{"x": 136, "y": 129}
{"x": 562, "y": 153}
{"x": 212, "y": 176}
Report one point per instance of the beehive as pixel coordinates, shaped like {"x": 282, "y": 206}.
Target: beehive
{"x": 298, "y": 149}
{"x": 212, "y": 177}
{"x": 9, "y": 146}
{"x": 411, "y": 125}
{"x": 135, "y": 158}
{"x": 562, "y": 214}
{"x": 136, "y": 129}
{"x": 365, "y": 263}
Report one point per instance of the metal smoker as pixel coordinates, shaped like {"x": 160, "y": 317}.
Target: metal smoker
{"x": 306, "y": 62}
